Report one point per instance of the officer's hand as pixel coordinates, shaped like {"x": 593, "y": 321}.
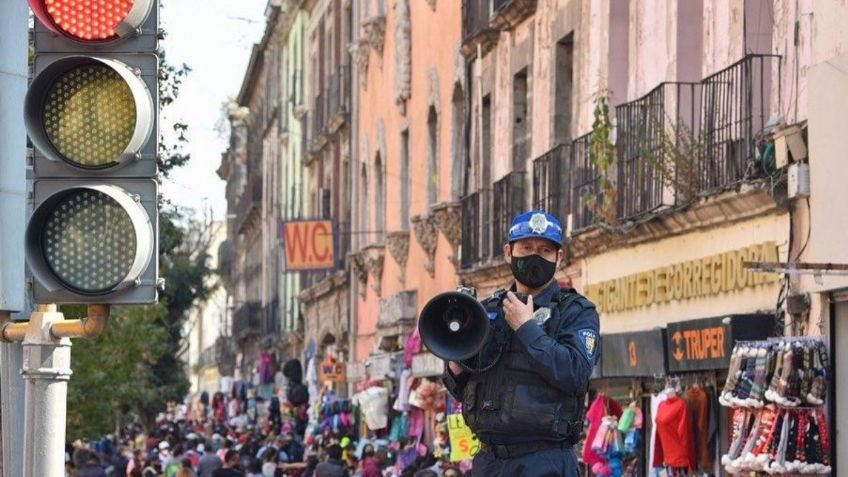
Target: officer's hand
{"x": 516, "y": 312}
{"x": 455, "y": 368}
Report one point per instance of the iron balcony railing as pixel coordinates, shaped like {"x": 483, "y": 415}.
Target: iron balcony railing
{"x": 552, "y": 181}
{"x": 657, "y": 145}
{"x": 318, "y": 116}
{"x": 471, "y": 228}
{"x": 507, "y": 202}
{"x": 736, "y": 103}
{"x": 247, "y": 319}
{"x": 586, "y": 184}
{"x": 339, "y": 95}
{"x": 271, "y": 317}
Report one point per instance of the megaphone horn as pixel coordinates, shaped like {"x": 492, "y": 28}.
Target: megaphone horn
{"x": 454, "y": 326}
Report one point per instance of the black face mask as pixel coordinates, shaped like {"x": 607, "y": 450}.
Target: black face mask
{"x": 533, "y": 270}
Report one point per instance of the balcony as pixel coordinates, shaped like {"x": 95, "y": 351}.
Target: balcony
{"x": 476, "y": 28}
{"x": 319, "y": 122}
{"x": 507, "y": 13}
{"x": 339, "y": 98}
{"x": 585, "y": 185}
{"x": 507, "y": 202}
{"x": 271, "y": 319}
{"x": 249, "y": 206}
{"x": 247, "y": 320}
{"x": 657, "y": 145}
{"x": 552, "y": 181}
{"x": 736, "y": 104}
{"x": 471, "y": 227}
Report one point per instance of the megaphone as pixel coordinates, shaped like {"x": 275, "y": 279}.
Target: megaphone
{"x": 454, "y": 325}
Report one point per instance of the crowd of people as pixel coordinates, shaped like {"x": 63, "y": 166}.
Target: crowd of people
{"x": 243, "y": 435}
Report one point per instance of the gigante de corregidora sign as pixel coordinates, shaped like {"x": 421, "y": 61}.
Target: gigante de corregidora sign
{"x": 700, "y": 277}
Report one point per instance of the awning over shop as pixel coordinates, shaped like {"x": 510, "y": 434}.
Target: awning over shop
{"x": 706, "y": 344}
{"x": 636, "y": 354}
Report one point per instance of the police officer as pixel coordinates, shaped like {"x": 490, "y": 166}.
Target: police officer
{"x": 523, "y": 393}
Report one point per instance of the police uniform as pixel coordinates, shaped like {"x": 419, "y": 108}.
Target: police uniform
{"x": 523, "y": 394}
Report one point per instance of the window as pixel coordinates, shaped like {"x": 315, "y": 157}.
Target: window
{"x": 404, "y": 180}
{"x": 564, "y": 88}
{"x": 521, "y": 120}
{"x": 380, "y": 199}
{"x": 619, "y": 50}
{"x": 363, "y": 209}
{"x": 457, "y": 141}
{"x": 486, "y": 167}
{"x": 432, "y": 156}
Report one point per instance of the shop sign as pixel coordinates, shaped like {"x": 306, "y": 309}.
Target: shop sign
{"x": 463, "y": 443}
{"x": 427, "y": 364}
{"x": 308, "y": 245}
{"x": 637, "y": 354}
{"x": 706, "y": 344}
{"x": 707, "y": 276}
{"x": 333, "y": 371}
{"x": 355, "y": 372}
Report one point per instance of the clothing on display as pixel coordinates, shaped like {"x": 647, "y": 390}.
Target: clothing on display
{"x": 684, "y": 437}
{"x": 779, "y": 441}
{"x": 602, "y": 406}
{"x": 779, "y": 426}
{"x": 789, "y": 372}
{"x": 675, "y": 440}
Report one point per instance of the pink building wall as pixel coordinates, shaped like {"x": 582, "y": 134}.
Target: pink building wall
{"x": 434, "y": 38}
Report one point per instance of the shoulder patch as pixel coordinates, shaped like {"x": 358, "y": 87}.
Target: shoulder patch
{"x": 493, "y": 315}
{"x": 589, "y": 338}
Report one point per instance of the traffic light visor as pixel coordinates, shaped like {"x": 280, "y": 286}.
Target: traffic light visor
{"x": 92, "y": 239}
{"x": 92, "y": 113}
{"x": 91, "y": 21}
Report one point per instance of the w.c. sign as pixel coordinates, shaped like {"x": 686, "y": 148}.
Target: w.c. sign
{"x": 309, "y": 245}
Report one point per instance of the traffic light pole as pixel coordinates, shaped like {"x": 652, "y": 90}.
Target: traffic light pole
{"x": 47, "y": 370}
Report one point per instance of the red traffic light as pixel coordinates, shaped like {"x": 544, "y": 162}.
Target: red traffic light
{"x": 92, "y": 20}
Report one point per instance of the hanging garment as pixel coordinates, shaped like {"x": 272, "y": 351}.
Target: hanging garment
{"x": 601, "y": 406}
{"x": 674, "y": 433}
{"x": 654, "y": 454}
{"x": 699, "y": 406}
{"x": 402, "y": 401}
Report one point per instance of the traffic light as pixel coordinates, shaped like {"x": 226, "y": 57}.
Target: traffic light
{"x": 91, "y": 112}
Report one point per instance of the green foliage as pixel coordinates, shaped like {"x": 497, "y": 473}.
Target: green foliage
{"x": 602, "y": 155}
{"x": 113, "y": 374}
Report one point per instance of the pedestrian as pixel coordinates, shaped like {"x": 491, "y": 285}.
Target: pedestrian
{"x": 186, "y": 469}
{"x": 230, "y": 467}
{"x": 92, "y": 467}
{"x": 269, "y": 463}
{"x": 333, "y": 466}
{"x": 523, "y": 393}
{"x": 371, "y": 466}
{"x": 208, "y": 463}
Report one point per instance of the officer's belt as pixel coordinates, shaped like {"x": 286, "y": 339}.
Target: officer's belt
{"x": 507, "y": 451}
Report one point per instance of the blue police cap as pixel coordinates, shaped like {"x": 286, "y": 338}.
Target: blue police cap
{"x": 536, "y": 223}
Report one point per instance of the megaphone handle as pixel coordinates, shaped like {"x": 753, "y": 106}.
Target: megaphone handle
{"x": 486, "y": 368}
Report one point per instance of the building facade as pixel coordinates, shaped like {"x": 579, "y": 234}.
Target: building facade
{"x": 262, "y": 168}
{"x": 325, "y": 296}
{"x": 210, "y": 354}
{"x": 408, "y": 168}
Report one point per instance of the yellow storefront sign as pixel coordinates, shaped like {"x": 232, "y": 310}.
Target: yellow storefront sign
{"x": 463, "y": 442}
{"x": 701, "y": 277}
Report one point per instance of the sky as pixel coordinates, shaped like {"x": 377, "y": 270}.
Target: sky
{"x": 214, "y": 38}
